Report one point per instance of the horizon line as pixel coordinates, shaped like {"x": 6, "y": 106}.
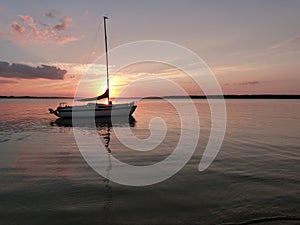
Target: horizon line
{"x": 233, "y": 96}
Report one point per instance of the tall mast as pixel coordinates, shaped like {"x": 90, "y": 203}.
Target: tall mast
{"x": 107, "y": 76}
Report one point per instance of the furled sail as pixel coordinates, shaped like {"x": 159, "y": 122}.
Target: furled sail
{"x": 104, "y": 95}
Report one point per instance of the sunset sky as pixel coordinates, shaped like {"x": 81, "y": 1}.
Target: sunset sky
{"x": 253, "y": 47}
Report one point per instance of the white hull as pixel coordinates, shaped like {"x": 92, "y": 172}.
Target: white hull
{"x": 94, "y": 110}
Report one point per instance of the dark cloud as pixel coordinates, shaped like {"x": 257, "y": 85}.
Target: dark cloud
{"x": 49, "y": 14}
{"x": 63, "y": 25}
{"x": 52, "y": 13}
{"x": 249, "y": 83}
{"x": 16, "y": 70}
{"x": 243, "y": 83}
{"x": 8, "y": 81}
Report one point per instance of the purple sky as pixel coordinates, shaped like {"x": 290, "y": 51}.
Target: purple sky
{"x": 253, "y": 47}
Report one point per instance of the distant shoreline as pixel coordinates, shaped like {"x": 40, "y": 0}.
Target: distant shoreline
{"x": 263, "y": 96}
{"x": 35, "y": 97}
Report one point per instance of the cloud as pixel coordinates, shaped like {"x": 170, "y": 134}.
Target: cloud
{"x": 49, "y": 14}
{"x": 29, "y": 30}
{"x": 243, "y": 83}
{"x": 65, "y": 39}
{"x": 17, "y": 70}
{"x": 8, "y": 81}
{"x": 287, "y": 42}
{"x": 146, "y": 67}
{"x": 20, "y": 30}
{"x": 248, "y": 83}
{"x": 64, "y": 25}
{"x": 52, "y": 13}
{"x": 233, "y": 69}
{"x": 25, "y": 17}
{"x": 3, "y": 33}
{"x": 29, "y": 21}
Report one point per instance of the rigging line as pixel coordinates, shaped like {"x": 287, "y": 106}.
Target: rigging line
{"x": 94, "y": 41}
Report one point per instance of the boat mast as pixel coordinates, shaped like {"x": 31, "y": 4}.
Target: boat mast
{"x": 106, "y": 55}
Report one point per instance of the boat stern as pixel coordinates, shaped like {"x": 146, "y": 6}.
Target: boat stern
{"x": 55, "y": 112}
{"x": 132, "y": 108}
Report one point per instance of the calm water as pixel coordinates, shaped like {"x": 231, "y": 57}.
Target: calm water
{"x": 45, "y": 180}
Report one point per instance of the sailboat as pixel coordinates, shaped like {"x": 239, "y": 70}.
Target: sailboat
{"x": 96, "y": 109}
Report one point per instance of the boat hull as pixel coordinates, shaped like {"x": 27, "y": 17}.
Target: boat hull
{"x": 95, "y": 111}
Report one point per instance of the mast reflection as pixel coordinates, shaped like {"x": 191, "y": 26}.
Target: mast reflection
{"x": 103, "y": 126}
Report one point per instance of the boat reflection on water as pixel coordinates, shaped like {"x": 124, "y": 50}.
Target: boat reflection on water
{"x": 103, "y": 126}
{"x": 101, "y": 122}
